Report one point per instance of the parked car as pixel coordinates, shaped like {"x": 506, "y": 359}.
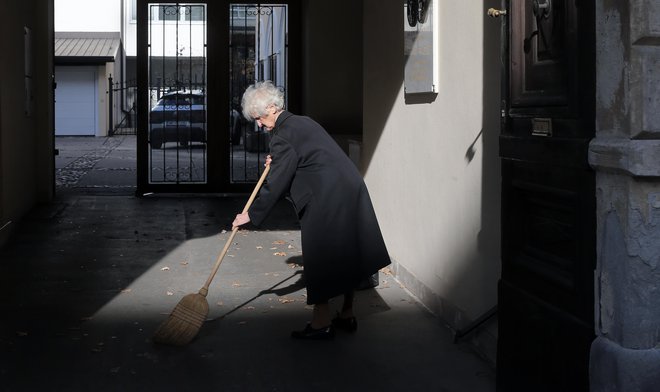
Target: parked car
{"x": 179, "y": 117}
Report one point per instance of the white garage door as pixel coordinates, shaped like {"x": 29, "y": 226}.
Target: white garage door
{"x": 75, "y": 101}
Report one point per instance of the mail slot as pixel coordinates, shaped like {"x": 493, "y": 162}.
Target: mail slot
{"x": 542, "y": 127}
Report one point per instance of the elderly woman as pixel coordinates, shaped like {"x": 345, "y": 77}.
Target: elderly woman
{"x": 341, "y": 242}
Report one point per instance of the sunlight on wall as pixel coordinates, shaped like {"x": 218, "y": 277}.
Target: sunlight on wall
{"x": 432, "y": 165}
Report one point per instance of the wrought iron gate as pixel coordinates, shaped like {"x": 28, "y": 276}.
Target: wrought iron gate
{"x": 177, "y": 93}
{"x": 194, "y": 61}
{"x": 121, "y": 107}
{"x": 257, "y": 51}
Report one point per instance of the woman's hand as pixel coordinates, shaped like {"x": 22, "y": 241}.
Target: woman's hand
{"x": 240, "y": 220}
{"x": 269, "y": 159}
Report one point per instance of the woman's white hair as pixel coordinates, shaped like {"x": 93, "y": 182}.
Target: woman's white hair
{"x": 260, "y": 96}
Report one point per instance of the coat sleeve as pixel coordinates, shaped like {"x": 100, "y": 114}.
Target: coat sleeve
{"x": 282, "y": 170}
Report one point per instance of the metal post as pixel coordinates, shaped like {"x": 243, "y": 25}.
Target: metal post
{"x": 110, "y": 113}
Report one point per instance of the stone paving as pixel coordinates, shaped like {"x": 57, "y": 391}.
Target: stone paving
{"x": 88, "y": 278}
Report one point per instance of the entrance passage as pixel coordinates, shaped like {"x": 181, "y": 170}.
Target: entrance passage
{"x": 257, "y": 51}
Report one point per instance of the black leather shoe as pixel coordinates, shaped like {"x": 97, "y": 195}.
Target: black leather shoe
{"x": 345, "y": 324}
{"x": 309, "y": 333}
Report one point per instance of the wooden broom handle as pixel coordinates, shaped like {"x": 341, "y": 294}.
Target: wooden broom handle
{"x": 205, "y": 289}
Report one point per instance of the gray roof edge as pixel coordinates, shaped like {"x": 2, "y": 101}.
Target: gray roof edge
{"x": 87, "y": 34}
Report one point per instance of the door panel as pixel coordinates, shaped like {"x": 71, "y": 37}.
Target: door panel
{"x": 76, "y": 101}
{"x": 548, "y": 197}
{"x": 177, "y": 120}
{"x": 542, "y": 74}
{"x": 258, "y": 50}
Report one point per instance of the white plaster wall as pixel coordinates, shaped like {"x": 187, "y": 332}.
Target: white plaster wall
{"x": 88, "y": 15}
{"x": 432, "y": 168}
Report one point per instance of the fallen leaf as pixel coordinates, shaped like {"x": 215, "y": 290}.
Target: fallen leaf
{"x": 290, "y": 246}
{"x": 236, "y": 284}
{"x": 165, "y": 269}
{"x": 279, "y": 242}
{"x": 279, "y": 254}
{"x": 184, "y": 263}
{"x": 273, "y": 248}
{"x": 126, "y": 290}
{"x": 259, "y": 247}
{"x": 170, "y": 293}
{"x": 286, "y": 300}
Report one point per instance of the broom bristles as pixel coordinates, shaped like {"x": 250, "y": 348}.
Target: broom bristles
{"x": 184, "y": 322}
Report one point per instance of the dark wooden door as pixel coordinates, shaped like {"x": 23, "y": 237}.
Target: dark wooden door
{"x": 546, "y": 301}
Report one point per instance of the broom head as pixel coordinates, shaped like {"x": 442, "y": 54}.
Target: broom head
{"x": 184, "y": 322}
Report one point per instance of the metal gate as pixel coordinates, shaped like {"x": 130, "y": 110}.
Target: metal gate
{"x": 191, "y": 76}
{"x": 177, "y": 93}
{"x": 121, "y": 107}
{"x": 257, "y": 51}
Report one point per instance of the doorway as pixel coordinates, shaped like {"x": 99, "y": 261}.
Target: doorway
{"x": 545, "y": 295}
{"x": 194, "y": 61}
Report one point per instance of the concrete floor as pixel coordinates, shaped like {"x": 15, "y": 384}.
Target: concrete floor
{"x": 89, "y": 277}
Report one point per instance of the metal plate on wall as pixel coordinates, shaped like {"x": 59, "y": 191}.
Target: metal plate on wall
{"x": 420, "y": 47}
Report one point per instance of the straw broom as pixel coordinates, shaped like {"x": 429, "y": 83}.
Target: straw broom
{"x": 187, "y": 318}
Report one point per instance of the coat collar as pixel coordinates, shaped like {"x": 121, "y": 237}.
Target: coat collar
{"x": 280, "y": 120}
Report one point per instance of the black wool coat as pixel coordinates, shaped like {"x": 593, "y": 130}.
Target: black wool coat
{"x": 341, "y": 240}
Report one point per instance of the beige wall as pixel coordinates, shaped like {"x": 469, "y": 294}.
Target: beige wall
{"x": 431, "y": 163}
{"x": 26, "y": 141}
